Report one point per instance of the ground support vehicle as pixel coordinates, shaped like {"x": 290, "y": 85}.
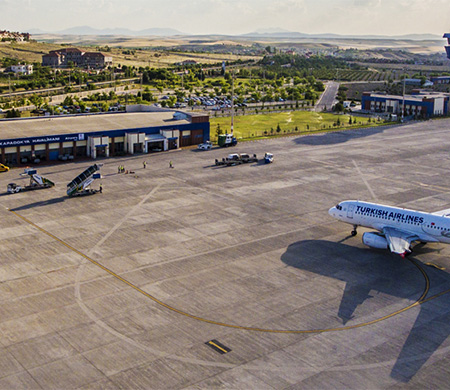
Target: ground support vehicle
{"x": 80, "y": 185}
{"x": 246, "y": 158}
{"x": 4, "y": 168}
{"x": 205, "y": 146}
{"x": 268, "y": 158}
{"x": 225, "y": 140}
{"x": 237, "y": 159}
{"x": 37, "y": 182}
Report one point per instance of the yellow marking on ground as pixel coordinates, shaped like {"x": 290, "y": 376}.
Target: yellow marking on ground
{"x": 419, "y": 301}
{"x": 224, "y": 350}
{"x": 435, "y": 266}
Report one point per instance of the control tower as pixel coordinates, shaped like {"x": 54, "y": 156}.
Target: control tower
{"x": 447, "y": 48}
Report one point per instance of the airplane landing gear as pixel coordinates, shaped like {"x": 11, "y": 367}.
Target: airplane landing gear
{"x": 354, "y": 232}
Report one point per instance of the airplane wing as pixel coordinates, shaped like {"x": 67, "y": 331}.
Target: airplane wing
{"x": 399, "y": 241}
{"x": 443, "y": 213}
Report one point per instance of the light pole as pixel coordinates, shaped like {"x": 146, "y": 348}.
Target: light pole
{"x": 403, "y": 104}
{"x": 232, "y": 102}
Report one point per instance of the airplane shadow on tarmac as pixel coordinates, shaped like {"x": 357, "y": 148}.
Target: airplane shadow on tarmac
{"x": 41, "y": 203}
{"x": 366, "y": 274}
{"x": 338, "y": 137}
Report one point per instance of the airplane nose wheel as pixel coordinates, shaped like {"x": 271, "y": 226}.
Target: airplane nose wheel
{"x": 354, "y": 232}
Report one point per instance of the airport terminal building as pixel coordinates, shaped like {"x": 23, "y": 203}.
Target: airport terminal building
{"x": 33, "y": 140}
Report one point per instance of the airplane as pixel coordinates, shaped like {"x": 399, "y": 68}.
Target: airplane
{"x": 398, "y": 227}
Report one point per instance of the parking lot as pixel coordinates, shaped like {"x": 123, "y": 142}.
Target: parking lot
{"x": 203, "y": 276}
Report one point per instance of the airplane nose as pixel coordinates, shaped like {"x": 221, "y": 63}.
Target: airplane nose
{"x": 332, "y": 211}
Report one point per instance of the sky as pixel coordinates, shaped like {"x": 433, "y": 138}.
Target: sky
{"x": 232, "y": 17}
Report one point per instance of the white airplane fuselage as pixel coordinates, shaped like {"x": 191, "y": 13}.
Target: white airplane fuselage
{"x": 426, "y": 227}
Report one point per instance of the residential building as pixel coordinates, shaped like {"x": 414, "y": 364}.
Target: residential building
{"x": 96, "y": 60}
{"x": 64, "y": 57}
{"x": 14, "y": 36}
{"x": 24, "y": 69}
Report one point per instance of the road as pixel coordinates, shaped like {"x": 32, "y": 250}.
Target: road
{"x": 328, "y": 97}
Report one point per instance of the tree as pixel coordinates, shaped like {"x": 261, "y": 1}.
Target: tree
{"x": 147, "y": 95}
{"x": 37, "y": 101}
{"x": 68, "y": 101}
{"x": 278, "y": 128}
{"x": 218, "y": 130}
{"x": 172, "y": 100}
{"x": 338, "y": 107}
{"x": 13, "y": 113}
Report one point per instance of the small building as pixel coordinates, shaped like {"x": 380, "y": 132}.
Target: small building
{"x": 418, "y": 82}
{"x": 28, "y": 140}
{"x": 440, "y": 80}
{"x": 447, "y": 48}
{"x": 23, "y": 69}
{"x": 422, "y": 105}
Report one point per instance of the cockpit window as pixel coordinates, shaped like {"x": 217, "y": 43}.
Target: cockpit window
{"x": 339, "y": 207}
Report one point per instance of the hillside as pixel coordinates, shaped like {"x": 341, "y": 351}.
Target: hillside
{"x": 32, "y": 51}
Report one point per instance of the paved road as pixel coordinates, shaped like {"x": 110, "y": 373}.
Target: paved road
{"x": 328, "y": 97}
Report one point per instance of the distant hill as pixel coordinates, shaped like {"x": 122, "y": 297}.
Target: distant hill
{"x": 280, "y": 33}
{"x": 87, "y": 30}
{"x": 270, "y": 32}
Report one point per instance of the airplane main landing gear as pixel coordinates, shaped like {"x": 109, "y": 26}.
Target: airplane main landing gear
{"x": 354, "y": 232}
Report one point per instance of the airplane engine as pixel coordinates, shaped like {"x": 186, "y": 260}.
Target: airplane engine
{"x": 374, "y": 240}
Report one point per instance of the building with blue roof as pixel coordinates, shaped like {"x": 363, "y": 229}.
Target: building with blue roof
{"x": 447, "y": 48}
{"x": 422, "y": 105}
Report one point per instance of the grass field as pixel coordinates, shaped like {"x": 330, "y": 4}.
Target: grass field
{"x": 261, "y": 125}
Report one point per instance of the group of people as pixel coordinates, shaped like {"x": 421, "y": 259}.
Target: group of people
{"x": 121, "y": 168}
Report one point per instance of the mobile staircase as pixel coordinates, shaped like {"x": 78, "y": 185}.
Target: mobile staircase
{"x": 37, "y": 182}
{"x": 80, "y": 185}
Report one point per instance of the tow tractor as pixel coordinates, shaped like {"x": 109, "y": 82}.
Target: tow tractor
{"x": 237, "y": 159}
{"x": 37, "y": 182}
{"x": 268, "y": 158}
{"x": 80, "y": 185}
{"x": 4, "y": 168}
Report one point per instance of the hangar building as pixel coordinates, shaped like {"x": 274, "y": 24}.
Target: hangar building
{"x": 32, "y": 140}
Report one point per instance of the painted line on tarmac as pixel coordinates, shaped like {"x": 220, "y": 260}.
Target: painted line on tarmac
{"x": 419, "y": 301}
{"x": 374, "y": 197}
